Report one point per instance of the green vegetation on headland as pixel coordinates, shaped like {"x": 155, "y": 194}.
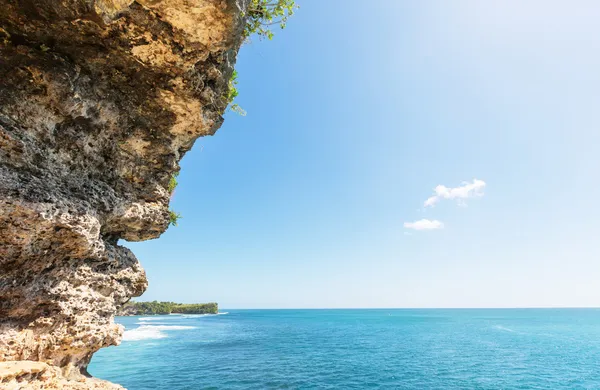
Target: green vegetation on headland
{"x": 155, "y": 307}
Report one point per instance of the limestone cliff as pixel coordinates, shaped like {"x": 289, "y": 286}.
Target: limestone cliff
{"x": 99, "y": 100}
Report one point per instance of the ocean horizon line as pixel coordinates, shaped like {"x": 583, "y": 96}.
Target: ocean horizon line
{"x": 417, "y": 308}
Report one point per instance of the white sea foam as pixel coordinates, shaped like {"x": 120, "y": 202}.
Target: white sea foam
{"x": 161, "y": 318}
{"x": 145, "y": 332}
{"x": 500, "y": 327}
{"x": 175, "y": 316}
{"x": 169, "y": 327}
{"x": 205, "y": 315}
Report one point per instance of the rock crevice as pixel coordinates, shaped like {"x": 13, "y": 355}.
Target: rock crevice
{"x": 99, "y": 100}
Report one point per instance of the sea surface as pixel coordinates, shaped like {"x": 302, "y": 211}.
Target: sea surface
{"x": 358, "y": 349}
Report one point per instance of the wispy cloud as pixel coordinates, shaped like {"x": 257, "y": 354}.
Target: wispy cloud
{"x": 467, "y": 190}
{"x": 424, "y": 224}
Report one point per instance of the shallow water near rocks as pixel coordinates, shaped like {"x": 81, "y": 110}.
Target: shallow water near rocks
{"x": 360, "y": 349}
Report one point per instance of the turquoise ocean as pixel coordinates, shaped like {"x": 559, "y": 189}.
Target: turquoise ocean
{"x": 358, "y": 349}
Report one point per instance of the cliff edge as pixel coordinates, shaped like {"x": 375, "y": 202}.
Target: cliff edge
{"x": 99, "y": 100}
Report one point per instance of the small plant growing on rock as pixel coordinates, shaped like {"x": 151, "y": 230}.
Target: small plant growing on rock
{"x": 173, "y": 218}
{"x": 232, "y": 94}
{"x": 173, "y": 182}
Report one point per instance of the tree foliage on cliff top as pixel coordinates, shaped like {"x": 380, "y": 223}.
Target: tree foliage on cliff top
{"x": 262, "y": 14}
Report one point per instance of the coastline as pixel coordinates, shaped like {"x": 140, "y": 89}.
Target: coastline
{"x": 133, "y": 308}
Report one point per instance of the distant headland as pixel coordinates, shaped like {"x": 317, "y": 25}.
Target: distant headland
{"x": 155, "y": 307}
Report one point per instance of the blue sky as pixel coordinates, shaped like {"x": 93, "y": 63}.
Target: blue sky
{"x": 356, "y": 112}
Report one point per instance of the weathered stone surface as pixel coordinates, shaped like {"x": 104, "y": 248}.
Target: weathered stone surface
{"x": 30, "y": 375}
{"x": 99, "y": 100}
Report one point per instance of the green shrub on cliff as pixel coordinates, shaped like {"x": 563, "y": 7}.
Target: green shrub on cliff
{"x": 173, "y": 217}
{"x": 262, "y": 14}
{"x": 232, "y": 94}
{"x": 173, "y": 182}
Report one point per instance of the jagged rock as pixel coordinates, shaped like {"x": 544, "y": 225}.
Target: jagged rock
{"x": 99, "y": 100}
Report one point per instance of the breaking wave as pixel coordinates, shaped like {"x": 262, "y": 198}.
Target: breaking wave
{"x": 147, "y": 332}
{"x": 161, "y": 318}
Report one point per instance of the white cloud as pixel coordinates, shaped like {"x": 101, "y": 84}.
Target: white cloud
{"x": 424, "y": 224}
{"x": 467, "y": 190}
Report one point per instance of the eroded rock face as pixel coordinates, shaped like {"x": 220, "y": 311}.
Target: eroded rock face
{"x": 99, "y": 100}
{"x": 31, "y": 375}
